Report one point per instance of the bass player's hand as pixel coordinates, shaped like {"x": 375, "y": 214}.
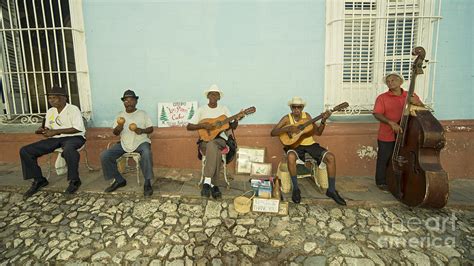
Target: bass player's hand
{"x": 395, "y": 127}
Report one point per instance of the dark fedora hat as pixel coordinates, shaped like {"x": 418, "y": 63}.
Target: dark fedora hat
{"x": 129, "y": 93}
{"x": 56, "y": 90}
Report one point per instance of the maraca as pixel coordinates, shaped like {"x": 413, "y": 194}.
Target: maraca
{"x": 132, "y": 126}
{"x": 120, "y": 120}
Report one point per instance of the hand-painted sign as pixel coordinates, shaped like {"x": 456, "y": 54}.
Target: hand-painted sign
{"x": 176, "y": 113}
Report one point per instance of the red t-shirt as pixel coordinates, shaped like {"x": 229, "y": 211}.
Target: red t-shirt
{"x": 391, "y": 106}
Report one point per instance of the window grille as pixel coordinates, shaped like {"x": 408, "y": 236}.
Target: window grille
{"x": 367, "y": 39}
{"x": 41, "y": 45}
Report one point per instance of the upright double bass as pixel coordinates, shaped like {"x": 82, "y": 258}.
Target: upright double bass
{"x": 415, "y": 176}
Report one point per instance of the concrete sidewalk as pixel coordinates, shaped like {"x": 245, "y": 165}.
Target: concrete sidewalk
{"x": 358, "y": 191}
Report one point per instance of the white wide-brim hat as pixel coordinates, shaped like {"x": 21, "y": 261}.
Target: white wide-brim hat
{"x": 213, "y": 88}
{"x": 296, "y": 101}
{"x": 393, "y": 74}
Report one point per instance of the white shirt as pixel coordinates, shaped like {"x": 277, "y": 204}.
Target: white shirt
{"x": 129, "y": 139}
{"x": 69, "y": 117}
{"x": 205, "y": 112}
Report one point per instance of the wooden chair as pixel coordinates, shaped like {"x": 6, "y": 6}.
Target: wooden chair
{"x": 317, "y": 172}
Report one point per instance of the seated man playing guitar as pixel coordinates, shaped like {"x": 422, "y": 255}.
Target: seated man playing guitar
{"x": 213, "y": 137}
{"x": 289, "y": 130}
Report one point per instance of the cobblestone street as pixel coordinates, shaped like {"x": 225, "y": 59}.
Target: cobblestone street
{"x": 125, "y": 229}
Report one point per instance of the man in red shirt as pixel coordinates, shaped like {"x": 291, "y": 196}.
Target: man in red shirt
{"x": 388, "y": 110}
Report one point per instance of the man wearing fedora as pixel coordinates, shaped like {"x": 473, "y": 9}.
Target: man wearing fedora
{"x": 388, "y": 110}
{"x": 133, "y": 127}
{"x": 63, "y": 128}
{"x": 211, "y": 149}
{"x": 307, "y": 145}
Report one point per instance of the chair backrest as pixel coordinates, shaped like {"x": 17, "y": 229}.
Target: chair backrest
{"x": 86, "y": 123}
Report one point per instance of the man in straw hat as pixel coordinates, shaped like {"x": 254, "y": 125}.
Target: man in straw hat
{"x": 63, "y": 127}
{"x": 307, "y": 145}
{"x": 133, "y": 127}
{"x": 388, "y": 110}
{"x": 212, "y": 149}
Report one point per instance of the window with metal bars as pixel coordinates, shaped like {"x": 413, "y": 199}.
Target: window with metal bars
{"x": 42, "y": 45}
{"x": 367, "y": 39}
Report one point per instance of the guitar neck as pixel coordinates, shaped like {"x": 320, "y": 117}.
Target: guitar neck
{"x": 309, "y": 122}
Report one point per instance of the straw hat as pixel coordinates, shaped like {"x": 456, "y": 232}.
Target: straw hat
{"x": 393, "y": 74}
{"x": 296, "y": 101}
{"x": 215, "y": 89}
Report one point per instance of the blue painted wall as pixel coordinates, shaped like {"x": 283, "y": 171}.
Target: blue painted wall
{"x": 259, "y": 53}
{"x": 454, "y": 85}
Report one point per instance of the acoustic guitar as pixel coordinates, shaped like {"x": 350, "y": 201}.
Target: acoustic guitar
{"x": 306, "y": 128}
{"x": 220, "y": 124}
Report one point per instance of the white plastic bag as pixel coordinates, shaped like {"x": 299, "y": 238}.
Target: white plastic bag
{"x": 60, "y": 165}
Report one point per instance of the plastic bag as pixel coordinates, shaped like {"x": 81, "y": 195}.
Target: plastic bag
{"x": 60, "y": 165}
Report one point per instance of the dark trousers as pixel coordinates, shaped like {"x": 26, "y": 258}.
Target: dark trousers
{"x": 384, "y": 155}
{"x": 29, "y": 155}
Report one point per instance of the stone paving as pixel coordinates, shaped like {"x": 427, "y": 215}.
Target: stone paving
{"x": 127, "y": 229}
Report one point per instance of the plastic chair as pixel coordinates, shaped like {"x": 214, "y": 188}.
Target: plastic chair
{"x": 224, "y": 165}
{"x": 58, "y": 151}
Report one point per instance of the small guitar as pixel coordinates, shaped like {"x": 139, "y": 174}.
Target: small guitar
{"x": 220, "y": 124}
{"x": 306, "y": 128}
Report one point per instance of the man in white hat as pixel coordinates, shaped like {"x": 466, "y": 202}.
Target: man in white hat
{"x": 388, "y": 110}
{"x": 212, "y": 149}
{"x": 306, "y": 144}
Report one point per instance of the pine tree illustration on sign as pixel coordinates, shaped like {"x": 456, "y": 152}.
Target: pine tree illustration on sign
{"x": 191, "y": 112}
{"x": 163, "y": 117}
